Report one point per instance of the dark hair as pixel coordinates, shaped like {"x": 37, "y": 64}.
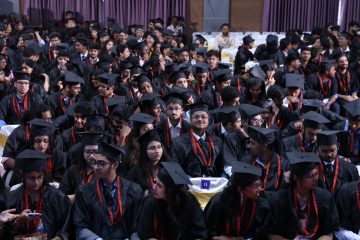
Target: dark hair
{"x": 353, "y": 23}
{"x": 212, "y": 53}
{"x": 275, "y": 92}
{"x": 41, "y": 109}
{"x": 225, "y": 25}
{"x": 284, "y": 43}
{"x": 85, "y": 108}
{"x": 325, "y": 42}
{"x": 229, "y": 93}
{"x": 252, "y": 82}
{"x": 54, "y": 35}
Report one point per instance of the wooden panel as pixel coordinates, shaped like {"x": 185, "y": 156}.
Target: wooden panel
{"x": 246, "y": 15}
{"x": 196, "y": 16}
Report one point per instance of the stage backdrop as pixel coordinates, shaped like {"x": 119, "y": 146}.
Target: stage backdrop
{"x": 125, "y": 12}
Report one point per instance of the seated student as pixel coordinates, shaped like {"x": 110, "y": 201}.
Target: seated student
{"x": 294, "y": 86}
{"x": 107, "y": 208}
{"x": 50, "y": 205}
{"x": 197, "y": 151}
{"x": 239, "y": 211}
{"x": 202, "y": 86}
{"x": 152, "y": 153}
{"x": 222, "y": 79}
{"x": 82, "y": 172}
{"x": 348, "y": 205}
{"x": 302, "y": 210}
{"x": 305, "y": 141}
{"x": 14, "y": 105}
{"x": 334, "y": 169}
{"x": 280, "y": 115}
{"x": 120, "y": 128}
{"x": 68, "y": 95}
{"x": 262, "y": 153}
{"x": 171, "y": 212}
{"x": 173, "y": 125}
{"x": 151, "y": 103}
{"x": 254, "y": 93}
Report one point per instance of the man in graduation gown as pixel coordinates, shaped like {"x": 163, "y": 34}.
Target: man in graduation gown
{"x": 203, "y": 88}
{"x": 306, "y": 141}
{"x": 107, "y": 208}
{"x": 196, "y": 151}
{"x": 68, "y": 95}
{"x": 12, "y": 106}
{"x": 334, "y": 170}
{"x": 244, "y": 54}
{"x": 348, "y": 205}
{"x": 262, "y": 145}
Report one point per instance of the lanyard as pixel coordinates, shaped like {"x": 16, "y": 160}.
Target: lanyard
{"x": 89, "y": 177}
{"x": 62, "y": 105}
{"x": 267, "y": 173}
{"x": 335, "y": 176}
{"x": 168, "y": 133}
{"x": 197, "y": 147}
{"x": 323, "y": 90}
{"x": 344, "y": 82}
{"x": 17, "y": 107}
{"x": 36, "y": 220}
{"x": 239, "y": 220}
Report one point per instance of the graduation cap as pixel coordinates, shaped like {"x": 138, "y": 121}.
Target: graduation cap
{"x": 178, "y": 95}
{"x": 201, "y": 51}
{"x": 149, "y": 97}
{"x": 35, "y": 46}
{"x": 170, "y": 68}
{"x": 248, "y": 39}
{"x": 201, "y": 68}
{"x": 327, "y": 138}
{"x": 353, "y": 109}
{"x": 40, "y": 127}
{"x": 113, "y": 102}
{"x": 229, "y": 114}
{"x": 20, "y": 75}
{"x": 142, "y": 118}
{"x": 73, "y": 78}
{"x": 62, "y": 46}
{"x": 132, "y": 44}
{"x": 327, "y": 64}
{"x": 149, "y": 136}
{"x": 272, "y": 39}
{"x": 95, "y": 123}
{"x": 248, "y": 110}
{"x": 90, "y": 138}
{"x": 110, "y": 151}
{"x": 257, "y": 72}
{"x": 94, "y": 45}
{"x": 176, "y": 173}
{"x": 199, "y": 106}
{"x": 311, "y": 105}
{"x": 125, "y": 65}
{"x": 302, "y": 163}
{"x": 31, "y": 160}
{"x": 103, "y": 34}
{"x": 294, "y": 80}
{"x": 200, "y": 38}
{"x": 177, "y": 75}
{"x": 266, "y": 65}
{"x": 314, "y": 120}
{"x": 222, "y": 75}
{"x": 139, "y": 27}
{"x": 142, "y": 78}
{"x": 168, "y": 32}
{"x": 140, "y": 45}
{"x": 262, "y": 135}
{"x": 245, "y": 168}
{"x": 82, "y": 39}
{"x": 107, "y": 78}
{"x": 222, "y": 65}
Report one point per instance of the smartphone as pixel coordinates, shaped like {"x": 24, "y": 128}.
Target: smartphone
{"x": 34, "y": 214}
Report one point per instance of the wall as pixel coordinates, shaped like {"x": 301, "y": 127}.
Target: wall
{"x": 9, "y": 6}
{"x": 246, "y": 15}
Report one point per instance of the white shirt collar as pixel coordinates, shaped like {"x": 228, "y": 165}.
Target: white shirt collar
{"x": 223, "y": 130}
{"x": 332, "y": 163}
{"x": 203, "y": 137}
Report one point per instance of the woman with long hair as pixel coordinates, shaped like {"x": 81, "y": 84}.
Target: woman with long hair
{"x": 238, "y": 212}
{"x": 255, "y": 93}
{"x": 152, "y": 153}
{"x": 43, "y": 209}
{"x": 171, "y": 212}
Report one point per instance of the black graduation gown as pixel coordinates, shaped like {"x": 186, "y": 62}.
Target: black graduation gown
{"x": 8, "y": 112}
{"x": 59, "y": 164}
{"x": 284, "y": 220}
{"x": 308, "y": 69}
{"x": 283, "y": 118}
{"x": 183, "y": 153}
{"x": 72, "y": 180}
{"x": 206, "y": 94}
{"x": 347, "y": 172}
{"x": 242, "y": 56}
{"x": 313, "y": 82}
{"x": 294, "y": 143}
{"x": 217, "y": 218}
{"x": 275, "y": 176}
{"x": 348, "y": 84}
{"x": 348, "y": 206}
{"x": 55, "y": 213}
{"x": 69, "y": 138}
{"x": 150, "y": 225}
{"x": 344, "y": 140}
{"x": 161, "y": 128}
{"x": 91, "y": 215}
{"x": 58, "y": 108}
{"x": 215, "y": 130}
{"x": 16, "y": 140}
{"x": 100, "y": 104}
{"x": 234, "y": 147}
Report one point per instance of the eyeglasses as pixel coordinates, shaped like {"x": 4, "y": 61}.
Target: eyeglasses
{"x": 90, "y": 151}
{"x": 99, "y": 164}
{"x": 257, "y": 121}
{"x": 153, "y": 148}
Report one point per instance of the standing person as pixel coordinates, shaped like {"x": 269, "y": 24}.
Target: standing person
{"x": 239, "y": 211}
{"x": 244, "y": 54}
{"x": 107, "y": 208}
{"x": 42, "y": 208}
{"x": 303, "y": 210}
{"x": 171, "y": 212}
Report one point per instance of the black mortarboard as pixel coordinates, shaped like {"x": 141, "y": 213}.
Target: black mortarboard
{"x": 353, "y": 109}
{"x": 62, "y": 46}
{"x": 136, "y": 71}
{"x": 95, "y": 123}
{"x": 73, "y": 78}
{"x": 222, "y": 65}
{"x": 125, "y": 65}
{"x": 177, "y": 75}
{"x": 141, "y": 79}
{"x": 176, "y": 173}
{"x": 103, "y": 34}
{"x": 112, "y": 152}
{"x": 262, "y": 135}
{"x": 168, "y": 32}
{"x": 257, "y": 72}
{"x": 90, "y": 138}
{"x": 201, "y": 51}
{"x": 20, "y": 75}
{"x": 141, "y": 27}
{"x": 170, "y": 68}
{"x": 31, "y": 160}
{"x": 200, "y": 37}
{"x": 199, "y": 106}
{"x": 201, "y": 68}
{"x": 302, "y": 163}
{"x": 266, "y": 65}
{"x": 248, "y": 110}
{"x": 244, "y": 174}
{"x": 272, "y": 39}
{"x": 314, "y": 120}
{"x": 35, "y": 46}
{"x": 40, "y": 127}
{"x": 149, "y": 97}
{"x": 294, "y": 80}
{"x": 113, "y": 102}
{"x": 184, "y": 67}
{"x": 178, "y": 95}
{"x": 149, "y": 136}
{"x": 327, "y": 137}
{"x": 142, "y": 118}
{"x": 311, "y": 105}
{"x": 82, "y": 39}
{"x": 222, "y": 75}
{"x": 326, "y": 63}
{"x": 107, "y": 78}
{"x": 229, "y": 114}
{"x": 248, "y": 39}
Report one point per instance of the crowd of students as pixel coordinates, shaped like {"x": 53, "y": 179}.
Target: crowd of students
{"x": 114, "y": 122}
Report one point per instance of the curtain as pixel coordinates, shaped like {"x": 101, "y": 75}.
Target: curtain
{"x": 350, "y": 11}
{"x": 283, "y": 15}
{"x": 125, "y": 12}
